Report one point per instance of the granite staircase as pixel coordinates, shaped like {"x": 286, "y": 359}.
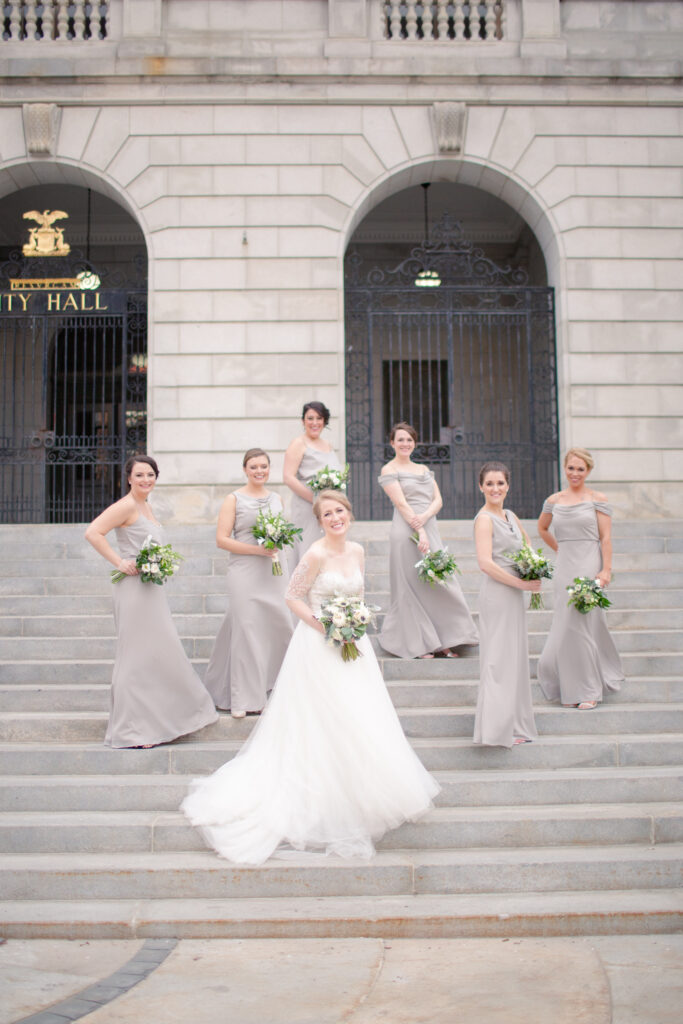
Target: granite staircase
{"x": 579, "y": 832}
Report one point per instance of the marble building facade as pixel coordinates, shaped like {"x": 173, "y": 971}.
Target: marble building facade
{"x": 250, "y": 139}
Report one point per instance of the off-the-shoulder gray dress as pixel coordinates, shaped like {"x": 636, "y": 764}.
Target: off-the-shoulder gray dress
{"x": 579, "y": 661}
{"x": 156, "y": 695}
{"x": 421, "y": 618}
{"x": 504, "y": 708}
{"x": 301, "y": 510}
{"x": 257, "y": 627}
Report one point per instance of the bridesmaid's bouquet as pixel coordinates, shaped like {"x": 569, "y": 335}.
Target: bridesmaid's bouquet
{"x": 585, "y": 595}
{"x": 329, "y": 479}
{"x": 436, "y": 567}
{"x": 273, "y": 532}
{"x": 346, "y": 620}
{"x": 156, "y": 563}
{"x": 532, "y": 565}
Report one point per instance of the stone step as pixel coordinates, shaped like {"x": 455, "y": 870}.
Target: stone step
{"x": 95, "y": 647}
{"x": 454, "y": 828}
{"x": 484, "y": 915}
{"x": 655, "y": 665}
{"x": 90, "y": 726}
{"x": 478, "y": 788}
{"x": 205, "y": 623}
{"x": 178, "y": 875}
{"x": 438, "y": 693}
{"x": 199, "y": 757}
{"x": 638, "y": 609}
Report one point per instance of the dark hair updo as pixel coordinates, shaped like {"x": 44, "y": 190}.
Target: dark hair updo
{"x": 254, "y": 453}
{"x": 493, "y": 467}
{"x": 403, "y": 426}
{"x": 147, "y": 459}
{"x": 318, "y": 407}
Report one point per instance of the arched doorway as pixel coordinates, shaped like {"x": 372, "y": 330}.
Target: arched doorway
{"x": 470, "y": 360}
{"x": 73, "y": 352}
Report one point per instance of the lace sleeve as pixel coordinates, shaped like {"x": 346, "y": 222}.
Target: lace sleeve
{"x": 300, "y": 581}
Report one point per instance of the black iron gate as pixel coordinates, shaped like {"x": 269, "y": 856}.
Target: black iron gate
{"x": 73, "y": 387}
{"x": 469, "y": 361}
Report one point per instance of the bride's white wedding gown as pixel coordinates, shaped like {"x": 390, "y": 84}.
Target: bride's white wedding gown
{"x": 327, "y": 766}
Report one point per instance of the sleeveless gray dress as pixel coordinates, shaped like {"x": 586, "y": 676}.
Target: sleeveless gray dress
{"x": 421, "y": 618}
{"x": 579, "y": 661}
{"x": 301, "y": 510}
{"x": 257, "y": 627}
{"x": 504, "y": 707}
{"x": 156, "y": 695}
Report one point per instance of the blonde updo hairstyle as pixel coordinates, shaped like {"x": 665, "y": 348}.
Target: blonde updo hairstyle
{"x": 580, "y": 453}
{"x": 254, "y": 453}
{"x": 331, "y": 495}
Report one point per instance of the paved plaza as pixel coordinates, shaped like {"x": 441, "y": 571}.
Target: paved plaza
{"x": 586, "y": 980}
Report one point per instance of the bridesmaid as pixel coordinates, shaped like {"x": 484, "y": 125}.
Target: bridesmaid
{"x": 306, "y": 456}
{"x": 257, "y": 628}
{"x": 504, "y": 715}
{"x": 422, "y": 620}
{"x": 579, "y": 661}
{"x": 156, "y": 695}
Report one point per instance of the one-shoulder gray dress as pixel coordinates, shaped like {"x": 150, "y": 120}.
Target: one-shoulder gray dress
{"x": 504, "y": 708}
{"x": 156, "y": 695}
{"x": 257, "y": 627}
{"x": 421, "y": 618}
{"x": 301, "y": 510}
{"x": 579, "y": 661}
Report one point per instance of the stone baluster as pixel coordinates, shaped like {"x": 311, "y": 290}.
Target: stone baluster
{"x": 411, "y": 19}
{"x": 392, "y": 11}
{"x": 62, "y": 19}
{"x": 15, "y": 19}
{"x": 503, "y": 20}
{"x": 48, "y": 16}
{"x": 459, "y": 19}
{"x": 31, "y": 19}
{"x": 490, "y": 21}
{"x": 79, "y": 19}
{"x": 442, "y": 19}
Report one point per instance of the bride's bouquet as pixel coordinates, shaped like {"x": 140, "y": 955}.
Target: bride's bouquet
{"x": 329, "y": 479}
{"x": 346, "y": 620}
{"x": 273, "y": 532}
{"x": 586, "y": 594}
{"x": 156, "y": 563}
{"x": 436, "y": 567}
{"x": 531, "y": 565}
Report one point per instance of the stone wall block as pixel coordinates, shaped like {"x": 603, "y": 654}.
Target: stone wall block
{"x": 190, "y": 243}
{"x": 628, "y": 400}
{"x": 191, "y": 181}
{"x": 383, "y": 135}
{"x": 617, "y": 336}
{"x": 615, "y": 151}
{"x": 618, "y": 368}
{"x": 595, "y": 305}
{"x": 665, "y": 151}
{"x": 131, "y": 160}
{"x": 647, "y": 120}
{"x": 279, "y": 273}
{"x": 181, "y": 370}
{"x": 243, "y": 306}
{"x": 307, "y": 241}
{"x": 212, "y": 337}
{"x": 167, "y": 275}
{"x": 209, "y": 150}
{"x": 360, "y": 159}
{"x": 164, "y": 403}
{"x": 596, "y": 181}
{"x": 624, "y": 432}
{"x": 164, "y": 149}
{"x": 514, "y": 136}
{"x": 274, "y": 211}
{"x": 245, "y": 119}
{"x": 150, "y": 185}
{"x": 309, "y": 305}
{"x": 279, "y": 337}
{"x": 416, "y": 130}
{"x": 186, "y": 435}
{"x": 12, "y": 144}
{"x": 109, "y": 133}
{"x": 162, "y": 212}
{"x": 327, "y": 149}
{"x": 538, "y": 161}
{"x": 483, "y": 125}
{"x": 277, "y": 149}
{"x": 245, "y": 181}
{"x": 210, "y": 211}
{"x": 171, "y": 120}
{"x": 297, "y": 180}
{"x": 74, "y": 132}
{"x": 650, "y": 181}
{"x": 166, "y": 339}
{"x": 214, "y": 402}
{"x": 268, "y": 403}
{"x": 212, "y": 274}
{"x": 244, "y": 242}
{"x": 173, "y": 307}
{"x": 341, "y": 185}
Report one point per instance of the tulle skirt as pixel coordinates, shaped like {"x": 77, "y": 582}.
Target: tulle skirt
{"x": 327, "y": 766}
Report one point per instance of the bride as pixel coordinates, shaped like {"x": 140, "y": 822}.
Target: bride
{"x": 327, "y": 765}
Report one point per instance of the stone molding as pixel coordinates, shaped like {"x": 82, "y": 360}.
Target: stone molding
{"x": 41, "y": 128}
{"x": 450, "y": 124}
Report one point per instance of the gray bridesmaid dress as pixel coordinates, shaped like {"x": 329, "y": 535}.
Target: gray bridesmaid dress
{"x": 504, "y": 708}
{"x": 301, "y": 510}
{"x": 579, "y": 661}
{"x": 257, "y": 627}
{"x": 421, "y": 618}
{"x": 156, "y": 695}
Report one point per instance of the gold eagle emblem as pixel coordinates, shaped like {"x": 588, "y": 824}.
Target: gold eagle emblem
{"x": 46, "y": 240}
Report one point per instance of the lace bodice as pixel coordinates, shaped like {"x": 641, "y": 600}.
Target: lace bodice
{"x": 327, "y": 584}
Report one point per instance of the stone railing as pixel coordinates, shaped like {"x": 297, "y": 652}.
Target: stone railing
{"x": 65, "y": 20}
{"x": 444, "y": 20}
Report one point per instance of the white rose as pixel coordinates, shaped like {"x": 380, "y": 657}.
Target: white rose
{"x": 154, "y": 568}
{"x": 145, "y": 567}
{"x": 338, "y": 619}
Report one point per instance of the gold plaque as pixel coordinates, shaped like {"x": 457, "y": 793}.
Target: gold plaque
{"x": 46, "y": 240}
